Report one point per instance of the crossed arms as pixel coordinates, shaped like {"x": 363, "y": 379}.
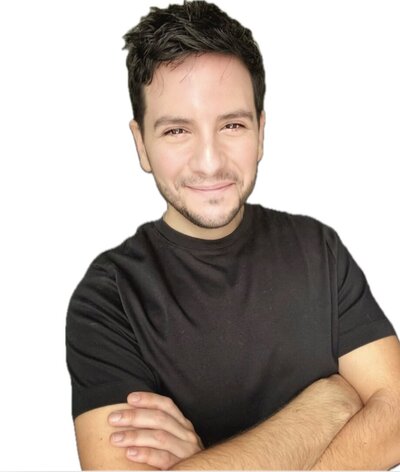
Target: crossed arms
{"x": 348, "y": 421}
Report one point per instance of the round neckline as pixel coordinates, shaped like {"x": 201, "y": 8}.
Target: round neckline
{"x": 190, "y": 242}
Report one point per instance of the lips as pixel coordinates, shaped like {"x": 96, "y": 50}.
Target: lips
{"x": 211, "y": 188}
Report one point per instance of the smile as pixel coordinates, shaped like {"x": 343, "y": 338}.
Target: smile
{"x": 212, "y": 188}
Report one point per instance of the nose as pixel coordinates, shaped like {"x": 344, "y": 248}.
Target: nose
{"x": 208, "y": 158}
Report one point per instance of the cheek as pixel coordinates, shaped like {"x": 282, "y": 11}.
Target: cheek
{"x": 243, "y": 154}
{"x": 167, "y": 165}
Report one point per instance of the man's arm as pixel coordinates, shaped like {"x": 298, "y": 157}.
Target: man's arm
{"x": 158, "y": 429}
{"x": 294, "y": 438}
{"x": 302, "y": 431}
{"x": 371, "y": 439}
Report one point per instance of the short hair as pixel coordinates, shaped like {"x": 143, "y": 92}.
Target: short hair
{"x": 171, "y": 34}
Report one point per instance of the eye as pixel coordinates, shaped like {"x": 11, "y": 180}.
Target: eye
{"x": 234, "y": 126}
{"x": 174, "y": 131}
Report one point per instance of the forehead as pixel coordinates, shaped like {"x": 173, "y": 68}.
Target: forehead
{"x": 200, "y": 83}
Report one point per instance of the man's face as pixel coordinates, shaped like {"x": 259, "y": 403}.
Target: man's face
{"x": 201, "y": 140}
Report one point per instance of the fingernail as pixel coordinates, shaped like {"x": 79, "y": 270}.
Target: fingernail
{"x": 115, "y": 417}
{"x": 117, "y": 437}
{"x": 134, "y": 397}
{"x": 132, "y": 452}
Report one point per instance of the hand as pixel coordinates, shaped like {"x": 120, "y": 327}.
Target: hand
{"x": 157, "y": 433}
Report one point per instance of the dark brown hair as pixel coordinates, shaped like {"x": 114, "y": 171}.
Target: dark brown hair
{"x": 169, "y": 35}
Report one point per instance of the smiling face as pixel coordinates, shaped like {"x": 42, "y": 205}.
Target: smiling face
{"x": 202, "y": 142}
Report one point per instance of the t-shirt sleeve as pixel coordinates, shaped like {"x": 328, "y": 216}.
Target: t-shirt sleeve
{"x": 103, "y": 355}
{"x": 360, "y": 318}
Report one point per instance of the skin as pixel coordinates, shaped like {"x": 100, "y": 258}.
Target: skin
{"x": 161, "y": 433}
{"x": 202, "y": 142}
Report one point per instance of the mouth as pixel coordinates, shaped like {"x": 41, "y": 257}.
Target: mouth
{"x": 220, "y": 187}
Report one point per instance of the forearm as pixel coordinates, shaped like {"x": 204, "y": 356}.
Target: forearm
{"x": 294, "y": 438}
{"x": 370, "y": 440}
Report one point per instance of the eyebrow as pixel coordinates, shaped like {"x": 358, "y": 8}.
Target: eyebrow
{"x": 180, "y": 120}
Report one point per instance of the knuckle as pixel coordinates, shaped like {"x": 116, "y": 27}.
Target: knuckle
{"x": 134, "y": 433}
{"x": 169, "y": 403}
{"x": 189, "y": 424}
{"x": 192, "y": 437}
{"x": 161, "y": 436}
{"x": 167, "y": 460}
{"x": 129, "y": 415}
{"x": 160, "y": 417}
{"x": 131, "y": 436}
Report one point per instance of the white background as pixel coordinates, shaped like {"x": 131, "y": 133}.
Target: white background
{"x": 71, "y": 185}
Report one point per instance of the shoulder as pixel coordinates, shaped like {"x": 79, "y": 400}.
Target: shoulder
{"x": 303, "y": 227}
{"x": 104, "y": 272}
{"x": 134, "y": 247}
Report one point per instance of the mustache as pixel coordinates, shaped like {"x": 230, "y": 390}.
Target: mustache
{"x": 199, "y": 180}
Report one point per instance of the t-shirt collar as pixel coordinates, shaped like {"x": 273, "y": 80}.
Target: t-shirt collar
{"x": 190, "y": 242}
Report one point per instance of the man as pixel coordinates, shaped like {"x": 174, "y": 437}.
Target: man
{"x": 225, "y": 323}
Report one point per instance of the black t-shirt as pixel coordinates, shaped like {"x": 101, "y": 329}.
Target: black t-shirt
{"x": 231, "y": 329}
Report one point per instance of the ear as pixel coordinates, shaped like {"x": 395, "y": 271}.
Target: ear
{"x": 140, "y": 147}
{"x": 261, "y": 136}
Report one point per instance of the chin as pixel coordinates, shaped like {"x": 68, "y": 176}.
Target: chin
{"x": 212, "y": 219}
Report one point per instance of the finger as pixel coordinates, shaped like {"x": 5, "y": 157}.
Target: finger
{"x": 155, "y": 439}
{"x": 141, "y": 418}
{"x": 160, "y": 402}
{"x": 156, "y": 458}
